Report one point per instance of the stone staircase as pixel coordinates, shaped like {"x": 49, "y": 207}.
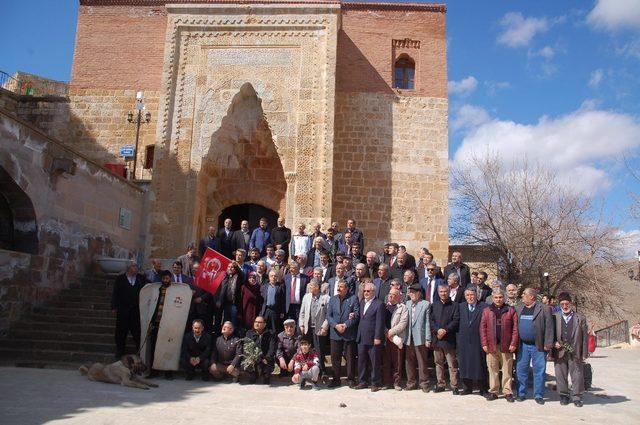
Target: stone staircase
{"x": 73, "y": 328}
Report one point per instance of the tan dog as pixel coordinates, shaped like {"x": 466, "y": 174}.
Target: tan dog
{"x": 124, "y": 372}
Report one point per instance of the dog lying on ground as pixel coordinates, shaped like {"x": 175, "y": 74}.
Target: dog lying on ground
{"x": 125, "y": 372}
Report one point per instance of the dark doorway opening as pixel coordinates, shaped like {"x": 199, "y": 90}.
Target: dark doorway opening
{"x": 18, "y": 227}
{"x": 251, "y": 212}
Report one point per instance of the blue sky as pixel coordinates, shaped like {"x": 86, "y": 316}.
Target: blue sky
{"x": 555, "y": 81}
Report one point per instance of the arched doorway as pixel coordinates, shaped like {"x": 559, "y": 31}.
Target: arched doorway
{"x": 251, "y": 212}
{"x": 18, "y": 228}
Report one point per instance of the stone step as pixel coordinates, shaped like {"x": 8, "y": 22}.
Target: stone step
{"x": 47, "y": 357}
{"x": 91, "y": 305}
{"x": 28, "y": 326}
{"x": 74, "y": 298}
{"x": 81, "y": 313}
{"x": 50, "y": 344}
{"x": 103, "y": 321}
{"x": 87, "y": 292}
{"x": 59, "y": 335}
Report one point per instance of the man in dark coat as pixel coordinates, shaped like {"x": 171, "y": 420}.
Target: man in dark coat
{"x": 125, "y": 304}
{"x": 226, "y": 354}
{"x": 458, "y": 267}
{"x": 571, "y": 330}
{"x": 472, "y": 360}
{"x": 370, "y": 339}
{"x": 295, "y": 284}
{"x": 396, "y": 271}
{"x": 210, "y": 240}
{"x": 281, "y": 236}
{"x": 342, "y": 317}
{"x": 273, "y": 306}
{"x": 266, "y": 341}
{"x": 196, "y": 351}
{"x": 383, "y": 282}
{"x": 430, "y": 283}
{"x": 410, "y": 260}
{"x": 483, "y": 291}
{"x": 444, "y": 319}
{"x": 225, "y": 236}
{"x": 242, "y": 237}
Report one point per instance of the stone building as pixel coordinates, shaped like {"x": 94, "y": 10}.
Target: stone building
{"x": 319, "y": 111}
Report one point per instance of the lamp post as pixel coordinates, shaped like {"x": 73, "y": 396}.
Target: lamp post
{"x": 546, "y": 279}
{"x": 137, "y": 121}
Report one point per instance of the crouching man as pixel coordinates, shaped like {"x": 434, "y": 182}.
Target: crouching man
{"x": 226, "y": 354}
{"x": 306, "y": 366}
{"x": 196, "y": 350}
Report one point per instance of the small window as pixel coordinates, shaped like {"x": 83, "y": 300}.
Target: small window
{"x": 148, "y": 156}
{"x": 404, "y": 72}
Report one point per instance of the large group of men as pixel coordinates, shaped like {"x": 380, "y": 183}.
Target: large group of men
{"x": 290, "y": 299}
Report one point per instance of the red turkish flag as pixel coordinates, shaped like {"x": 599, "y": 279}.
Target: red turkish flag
{"x": 213, "y": 268}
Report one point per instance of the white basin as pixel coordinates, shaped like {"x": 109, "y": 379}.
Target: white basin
{"x": 113, "y": 265}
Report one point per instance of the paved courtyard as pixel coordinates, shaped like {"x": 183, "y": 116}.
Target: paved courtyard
{"x": 35, "y": 396}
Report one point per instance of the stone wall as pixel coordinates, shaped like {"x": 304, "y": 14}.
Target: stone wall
{"x": 390, "y": 163}
{"x": 391, "y": 146}
{"x": 76, "y": 213}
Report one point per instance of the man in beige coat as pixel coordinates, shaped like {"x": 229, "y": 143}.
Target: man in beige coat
{"x": 312, "y": 319}
{"x": 397, "y": 318}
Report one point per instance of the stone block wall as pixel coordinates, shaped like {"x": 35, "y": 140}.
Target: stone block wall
{"x": 77, "y": 217}
{"x": 391, "y": 146}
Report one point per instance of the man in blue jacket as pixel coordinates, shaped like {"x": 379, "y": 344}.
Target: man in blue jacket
{"x": 370, "y": 338}
{"x": 260, "y": 237}
{"x": 343, "y": 314}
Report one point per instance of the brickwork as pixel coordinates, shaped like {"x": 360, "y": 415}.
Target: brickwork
{"x": 366, "y": 51}
{"x": 119, "y": 47}
{"x": 192, "y": 60}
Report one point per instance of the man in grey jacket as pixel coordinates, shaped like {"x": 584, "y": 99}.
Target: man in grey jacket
{"x": 535, "y": 327}
{"x": 396, "y": 332}
{"x": 312, "y": 320}
{"x": 418, "y": 339}
{"x": 571, "y": 350}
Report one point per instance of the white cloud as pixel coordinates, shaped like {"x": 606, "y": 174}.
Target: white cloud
{"x": 469, "y": 116}
{"x": 547, "y": 52}
{"x": 518, "y": 31}
{"x": 575, "y": 145}
{"x": 630, "y": 49}
{"x": 614, "y": 15}
{"x": 494, "y": 86}
{"x": 463, "y": 87}
{"x": 596, "y": 78}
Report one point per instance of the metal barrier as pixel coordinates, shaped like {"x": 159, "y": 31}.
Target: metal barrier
{"x": 12, "y": 84}
{"x": 613, "y": 334}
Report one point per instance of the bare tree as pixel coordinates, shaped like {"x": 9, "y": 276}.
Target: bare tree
{"x": 524, "y": 213}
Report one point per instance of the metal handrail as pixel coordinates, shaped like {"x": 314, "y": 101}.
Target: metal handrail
{"x": 12, "y": 84}
{"x": 613, "y": 334}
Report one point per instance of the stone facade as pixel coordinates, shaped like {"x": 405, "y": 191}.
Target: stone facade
{"x": 70, "y": 204}
{"x": 288, "y": 105}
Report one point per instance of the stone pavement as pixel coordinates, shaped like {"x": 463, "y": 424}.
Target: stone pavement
{"x": 35, "y": 396}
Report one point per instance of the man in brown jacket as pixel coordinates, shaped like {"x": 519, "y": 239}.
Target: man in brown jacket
{"x": 499, "y": 338}
{"x": 571, "y": 350}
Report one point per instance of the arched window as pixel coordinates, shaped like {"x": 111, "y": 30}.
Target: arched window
{"x": 404, "y": 72}
{"x": 18, "y": 228}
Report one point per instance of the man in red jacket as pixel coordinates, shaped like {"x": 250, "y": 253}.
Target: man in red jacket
{"x": 499, "y": 338}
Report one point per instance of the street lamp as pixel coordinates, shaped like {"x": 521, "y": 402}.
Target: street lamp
{"x": 546, "y": 279}
{"x": 137, "y": 121}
